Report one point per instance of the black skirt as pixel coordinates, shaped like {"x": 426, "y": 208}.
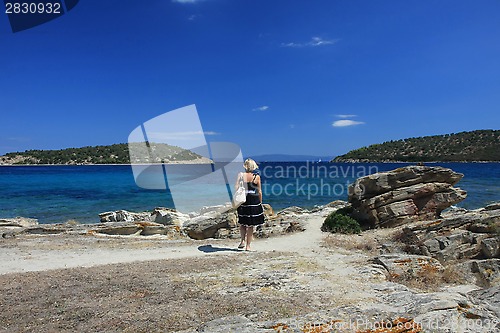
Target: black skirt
{"x": 251, "y": 212}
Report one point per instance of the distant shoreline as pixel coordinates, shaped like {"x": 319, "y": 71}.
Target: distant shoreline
{"x": 414, "y": 162}
{"x": 311, "y": 162}
{"x": 193, "y": 162}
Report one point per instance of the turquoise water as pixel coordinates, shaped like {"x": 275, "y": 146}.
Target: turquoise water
{"x": 55, "y": 194}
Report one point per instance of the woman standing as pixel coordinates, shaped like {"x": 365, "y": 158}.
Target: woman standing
{"x": 250, "y": 213}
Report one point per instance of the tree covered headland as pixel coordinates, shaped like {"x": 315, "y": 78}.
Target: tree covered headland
{"x": 475, "y": 146}
{"x": 112, "y": 154}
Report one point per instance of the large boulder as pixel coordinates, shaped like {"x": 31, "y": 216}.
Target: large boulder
{"x": 207, "y": 225}
{"x": 168, "y": 216}
{"x": 404, "y": 195}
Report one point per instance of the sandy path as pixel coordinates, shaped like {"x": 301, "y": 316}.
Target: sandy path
{"x": 40, "y": 253}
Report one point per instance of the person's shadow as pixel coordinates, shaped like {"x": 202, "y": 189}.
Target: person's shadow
{"x": 210, "y": 249}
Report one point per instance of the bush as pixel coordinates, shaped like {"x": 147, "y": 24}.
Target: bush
{"x": 339, "y": 222}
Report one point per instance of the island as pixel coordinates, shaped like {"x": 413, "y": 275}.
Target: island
{"x": 473, "y": 146}
{"x": 110, "y": 154}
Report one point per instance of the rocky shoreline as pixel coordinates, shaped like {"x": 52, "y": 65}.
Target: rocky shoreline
{"x": 416, "y": 268}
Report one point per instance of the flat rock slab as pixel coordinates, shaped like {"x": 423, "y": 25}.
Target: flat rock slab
{"x": 408, "y": 264}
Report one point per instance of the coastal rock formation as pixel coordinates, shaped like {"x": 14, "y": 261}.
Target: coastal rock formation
{"x": 396, "y": 309}
{"x": 409, "y": 194}
{"x": 488, "y": 272}
{"x": 207, "y": 225}
{"x": 225, "y": 225}
{"x": 9, "y": 227}
{"x": 124, "y": 216}
{"x": 409, "y": 265}
{"x": 18, "y": 222}
{"x": 168, "y": 216}
{"x": 136, "y": 229}
{"x": 210, "y": 222}
{"x": 467, "y": 241}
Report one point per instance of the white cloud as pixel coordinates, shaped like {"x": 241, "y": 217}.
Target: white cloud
{"x": 346, "y": 122}
{"x": 291, "y": 45}
{"x": 346, "y": 115}
{"x": 261, "y": 108}
{"x": 318, "y": 41}
{"x": 314, "y": 42}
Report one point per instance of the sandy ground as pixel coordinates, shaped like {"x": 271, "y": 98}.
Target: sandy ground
{"x": 39, "y": 253}
{"x": 144, "y": 284}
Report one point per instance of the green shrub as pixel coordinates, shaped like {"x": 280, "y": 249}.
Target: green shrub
{"x": 339, "y": 222}
{"x": 347, "y": 210}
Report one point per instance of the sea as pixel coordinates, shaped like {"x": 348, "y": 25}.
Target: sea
{"x": 57, "y": 194}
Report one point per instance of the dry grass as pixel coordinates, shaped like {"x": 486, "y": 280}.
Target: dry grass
{"x": 307, "y": 266}
{"x": 430, "y": 279}
{"x": 155, "y": 296}
{"x": 72, "y": 222}
{"x": 368, "y": 241}
{"x": 351, "y": 243}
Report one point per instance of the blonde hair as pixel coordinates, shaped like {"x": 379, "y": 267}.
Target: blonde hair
{"x": 250, "y": 165}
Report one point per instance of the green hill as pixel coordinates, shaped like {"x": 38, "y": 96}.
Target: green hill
{"x": 113, "y": 154}
{"x": 481, "y": 145}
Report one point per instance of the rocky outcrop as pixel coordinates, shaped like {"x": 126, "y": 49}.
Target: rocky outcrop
{"x": 470, "y": 235}
{"x": 124, "y": 216}
{"x": 168, "y": 216}
{"x": 207, "y": 225}
{"x": 466, "y": 241}
{"x": 9, "y": 227}
{"x": 161, "y": 215}
{"x": 396, "y": 309}
{"x": 488, "y": 272}
{"x": 404, "y": 195}
{"x": 224, "y": 225}
{"x": 210, "y": 222}
{"x": 407, "y": 265}
{"x": 137, "y": 229}
{"x": 18, "y": 222}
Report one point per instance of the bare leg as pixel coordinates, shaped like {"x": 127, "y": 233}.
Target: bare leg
{"x": 243, "y": 231}
{"x": 249, "y": 237}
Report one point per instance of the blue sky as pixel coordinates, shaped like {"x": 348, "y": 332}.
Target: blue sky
{"x": 288, "y": 77}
